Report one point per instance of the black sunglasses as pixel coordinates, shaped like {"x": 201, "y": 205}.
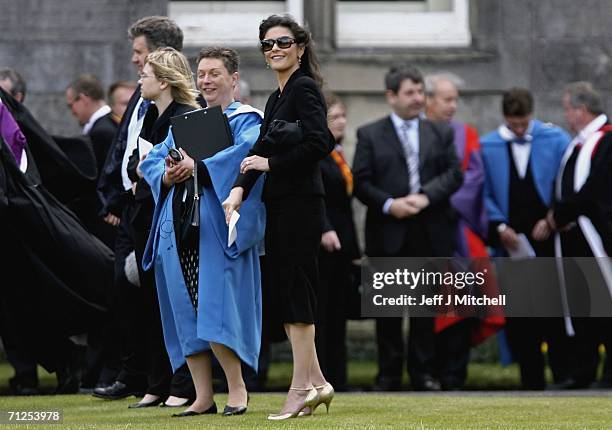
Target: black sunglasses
{"x": 282, "y": 42}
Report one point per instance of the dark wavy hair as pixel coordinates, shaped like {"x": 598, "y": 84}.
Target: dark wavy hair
{"x": 159, "y": 32}
{"x": 309, "y": 63}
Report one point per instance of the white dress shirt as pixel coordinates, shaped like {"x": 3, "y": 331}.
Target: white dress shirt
{"x": 104, "y": 110}
{"x": 132, "y": 140}
{"x": 519, "y": 147}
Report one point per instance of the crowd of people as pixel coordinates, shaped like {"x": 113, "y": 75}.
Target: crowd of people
{"x": 148, "y": 297}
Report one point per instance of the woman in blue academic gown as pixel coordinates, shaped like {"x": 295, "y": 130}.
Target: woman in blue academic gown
{"x": 209, "y": 292}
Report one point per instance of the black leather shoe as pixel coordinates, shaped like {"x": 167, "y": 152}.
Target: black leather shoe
{"x": 451, "y": 384}
{"x": 211, "y": 410}
{"x": 385, "y": 384}
{"x": 426, "y": 383}
{"x": 145, "y": 405}
{"x": 115, "y": 392}
{"x": 19, "y": 386}
{"x": 228, "y": 411}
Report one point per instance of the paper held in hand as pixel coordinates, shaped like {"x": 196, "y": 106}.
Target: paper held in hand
{"x": 232, "y": 233}
{"x": 144, "y": 146}
{"x": 523, "y": 250}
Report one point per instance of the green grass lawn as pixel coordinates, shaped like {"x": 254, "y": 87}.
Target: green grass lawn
{"x": 363, "y": 411}
{"x": 348, "y": 410}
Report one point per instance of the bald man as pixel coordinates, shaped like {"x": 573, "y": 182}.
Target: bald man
{"x": 455, "y": 335}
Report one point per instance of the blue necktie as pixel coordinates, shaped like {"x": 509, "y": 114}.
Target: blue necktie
{"x": 142, "y": 109}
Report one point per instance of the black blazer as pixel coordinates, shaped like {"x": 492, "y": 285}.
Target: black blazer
{"x": 155, "y": 130}
{"x": 110, "y": 183}
{"x": 380, "y": 173}
{"x": 338, "y": 210}
{"x": 294, "y": 170}
{"x": 593, "y": 200}
{"x": 102, "y": 134}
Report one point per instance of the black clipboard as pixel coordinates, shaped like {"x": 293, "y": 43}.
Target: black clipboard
{"x": 202, "y": 132}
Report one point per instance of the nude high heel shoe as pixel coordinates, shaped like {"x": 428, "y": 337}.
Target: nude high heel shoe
{"x": 309, "y": 401}
{"x": 326, "y": 395}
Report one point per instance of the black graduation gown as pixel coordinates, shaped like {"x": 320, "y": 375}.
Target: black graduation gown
{"x": 55, "y": 274}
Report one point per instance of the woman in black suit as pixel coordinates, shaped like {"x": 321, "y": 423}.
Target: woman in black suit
{"x": 293, "y": 194}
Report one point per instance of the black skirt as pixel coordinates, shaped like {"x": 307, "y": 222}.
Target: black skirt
{"x": 293, "y": 235}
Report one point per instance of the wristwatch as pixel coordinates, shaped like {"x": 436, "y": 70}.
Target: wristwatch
{"x": 502, "y": 227}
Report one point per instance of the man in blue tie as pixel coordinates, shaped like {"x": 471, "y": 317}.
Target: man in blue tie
{"x": 521, "y": 160}
{"x": 405, "y": 171}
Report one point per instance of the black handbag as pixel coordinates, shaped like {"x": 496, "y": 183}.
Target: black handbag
{"x": 283, "y": 134}
{"x": 190, "y": 221}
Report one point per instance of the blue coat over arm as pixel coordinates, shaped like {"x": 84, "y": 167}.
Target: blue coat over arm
{"x": 229, "y": 295}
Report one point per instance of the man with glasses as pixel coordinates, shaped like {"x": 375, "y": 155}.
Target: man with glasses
{"x": 85, "y": 98}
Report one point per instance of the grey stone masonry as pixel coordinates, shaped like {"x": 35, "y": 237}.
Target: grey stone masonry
{"x": 539, "y": 44}
{"x": 50, "y": 42}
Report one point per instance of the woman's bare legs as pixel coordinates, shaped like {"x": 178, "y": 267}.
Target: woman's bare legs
{"x": 237, "y": 392}
{"x": 201, "y": 372}
{"x": 149, "y": 398}
{"x": 176, "y": 401}
{"x": 316, "y": 375}
{"x": 303, "y": 350}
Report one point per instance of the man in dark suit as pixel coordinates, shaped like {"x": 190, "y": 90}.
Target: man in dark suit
{"x": 405, "y": 171}
{"x": 85, "y": 98}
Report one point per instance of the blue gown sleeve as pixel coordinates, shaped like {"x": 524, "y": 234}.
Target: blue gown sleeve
{"x": 222, "y": 168}
{"x": 154, "y": 165}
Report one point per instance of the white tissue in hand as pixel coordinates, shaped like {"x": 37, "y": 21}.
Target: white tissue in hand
{"x": 232, "y": 234}
{"x": 131, "y": 269}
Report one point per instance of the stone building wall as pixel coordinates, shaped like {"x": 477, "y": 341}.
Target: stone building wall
{"x": 541, "y": 44}
{"x": 51, "y": 42}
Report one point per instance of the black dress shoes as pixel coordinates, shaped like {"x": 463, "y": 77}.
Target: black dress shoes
{"x": 211, "y": 410}
{"x": 426, "y": 383}
{"x": 387, "y": 384}
{"x": 115, "y": 392}
{"x": 145, "y": 405}
{"x": 228, "y": 411}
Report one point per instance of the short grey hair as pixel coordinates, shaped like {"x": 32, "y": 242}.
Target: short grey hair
{"x": 17, "y": 82}
{"x": 583, "y": 93}
{"x": 432, "y": 81}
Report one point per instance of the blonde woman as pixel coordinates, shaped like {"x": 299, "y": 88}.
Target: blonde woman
{"x": 165, "y": 80}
